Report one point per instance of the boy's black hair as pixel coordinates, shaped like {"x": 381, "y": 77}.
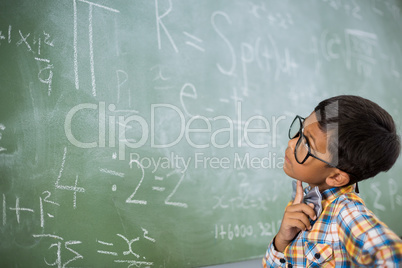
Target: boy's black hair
{"x": 362, "y": 135}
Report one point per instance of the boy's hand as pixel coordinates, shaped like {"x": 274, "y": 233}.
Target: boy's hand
{"x": 296, "y": 218}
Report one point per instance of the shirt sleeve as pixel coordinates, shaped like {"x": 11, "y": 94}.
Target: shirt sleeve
{"x": 368, "y": 241}
{"x": 273, "y": 258}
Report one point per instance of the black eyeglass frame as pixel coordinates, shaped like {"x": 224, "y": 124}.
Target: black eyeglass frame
{"x": 300, "y": 134}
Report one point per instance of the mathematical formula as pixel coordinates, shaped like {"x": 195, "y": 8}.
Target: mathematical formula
{"x": 241, "y": 231}
{"x": 36, "y": 45}
{"x": 59, "y": 246}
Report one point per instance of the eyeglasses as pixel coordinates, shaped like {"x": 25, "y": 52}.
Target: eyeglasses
{"x": 302, "y": 148}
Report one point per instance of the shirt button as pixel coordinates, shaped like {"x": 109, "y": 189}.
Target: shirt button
{"x": 317, "y": 255}
{"x": 282, "y": 260}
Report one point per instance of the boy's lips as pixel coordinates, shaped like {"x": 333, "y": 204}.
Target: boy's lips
{"x": 287, "y": 159}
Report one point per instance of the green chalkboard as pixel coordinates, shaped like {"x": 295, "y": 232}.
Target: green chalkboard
{"x": 151, "y": 133}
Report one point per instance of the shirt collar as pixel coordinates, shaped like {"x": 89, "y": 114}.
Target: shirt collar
{"x": 321, "y": 200}
{"x": 331, "y": 194}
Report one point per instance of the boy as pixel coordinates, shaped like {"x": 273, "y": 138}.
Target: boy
{"x": 345, "y": 140}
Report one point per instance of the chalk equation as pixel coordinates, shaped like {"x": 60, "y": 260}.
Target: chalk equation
{"x": 261, "y": 10}
{"x": 169, "y": 200}
{"x": 356, "y": 11}
{"x": 158, "y": 184}
{"x": 244, "y": 198}
{"x": 45, "y": 201}
{"x": 357, "y": 49}
{"x": 43, "y": 210}
{"x": 61, "y": 249}
{"x": 264, "y": 53}
{"x": 37, "y": 45}
{"x": 351, "y": 8}
{"x": 232, "y": 231}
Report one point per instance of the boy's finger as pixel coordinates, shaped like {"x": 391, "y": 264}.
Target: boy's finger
{"x": 312, "y": 206}
{"x": 299, "y": 193}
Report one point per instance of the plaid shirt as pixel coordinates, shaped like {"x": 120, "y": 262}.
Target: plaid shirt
{"x": 346, "y": 234}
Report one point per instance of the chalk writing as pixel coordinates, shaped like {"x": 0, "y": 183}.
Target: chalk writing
{"x": 168, "y": 199}
{"x": 2, "y": 128}
{"x": 381, "y": 7}
{"x": 34, "y": 44}
{"x": 160, "y": 24}
{"x": 187, "y": 91}
{"x": 240, "y": 202}
{"x": 130, "y": 198}
{"x": 214, "y": 17}
{"x": 91, "y": 5}
{"x": 255, "y": 9}
{"x": 74, "y": 188}
{"x": 375, "y": 188}
{"x": 24, "y": 40}
{"x": 230, "y": 233}
{"x": 160, "y": 77}
{"x": 122, "y": 78}
{"x": 244, "y": 199}
{"x": 240, "y": 231}
{"x": 395, "y": 198}
{"x": 277, "y": 19}
{"x": 282, "y": 20}
{"x": 197, "y": 44}
{"x": 137, "y": 162}
{"x": 112, "y": 172}
{"x": 47, "y": 78}
{"x": 330, "y": 43}
{"x": 129, "y": 244}
{"x": 360, "y": 49}
{"x": 41, "y": 205}
{"x": 392, "y": 61}
{"x": 269, "y": 228}
{"x": 20, "y": 211}
{"x": 59, "y": 262}
{"x": 393, "y": 9}
{"x": 284, "y": 64}
{"x": 351, "y": 8}
{"x": 107, "y": 248}
{"x": 391, "y": 194}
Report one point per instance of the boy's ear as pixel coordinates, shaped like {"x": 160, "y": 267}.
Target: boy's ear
{"x": 338, "y": 178}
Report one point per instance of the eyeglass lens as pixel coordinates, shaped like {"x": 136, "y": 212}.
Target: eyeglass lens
{"x": 301, "y": 149}
{"x": 295, "y": 128}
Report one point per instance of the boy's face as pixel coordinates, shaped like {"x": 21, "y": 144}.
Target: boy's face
{"x": 313, "y": 171}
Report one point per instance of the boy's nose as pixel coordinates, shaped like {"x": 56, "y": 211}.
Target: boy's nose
{"x": 292, "y": 143}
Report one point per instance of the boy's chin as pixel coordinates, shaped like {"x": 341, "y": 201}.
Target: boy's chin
{"x": 288, "y": 172}
{"x": 291, "y": 174}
